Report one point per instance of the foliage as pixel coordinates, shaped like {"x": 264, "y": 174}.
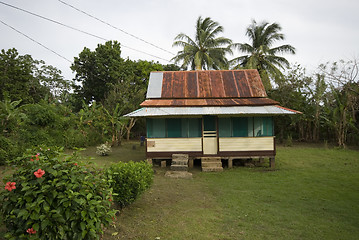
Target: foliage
{"x": 10, "y": 115}
{"x": 8, "y": 150}
{"x": 53, "y": 196}
{"x": 96, "y": 70}
{"x": 129, "y": 180}
{"x": 26, "y": 79}
{"x": 104, "y": 149}
{"x": 206, "y": 50}
{"x": 261, "y": 54}
{"x": 343, "y": 104}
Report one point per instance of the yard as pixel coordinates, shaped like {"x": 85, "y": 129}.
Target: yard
{"x": 312, "y": 194}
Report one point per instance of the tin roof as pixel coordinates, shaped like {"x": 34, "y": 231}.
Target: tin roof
{"x": 200, "y": 111}
{"x": 210, "y": 92}
{"x": 208, "y": 102}
{"x": 205, "y": 84}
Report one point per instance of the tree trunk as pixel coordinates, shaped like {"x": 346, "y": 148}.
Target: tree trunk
{"x": 130, "y": 125}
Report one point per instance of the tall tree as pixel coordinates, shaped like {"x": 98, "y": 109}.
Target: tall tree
{"x": 97, "y": 70}
{"x": 260, "y": 53}
{"x": 26, "y": 79}
{"x": 206, "y": 51}
{"x": 343, "y": 110}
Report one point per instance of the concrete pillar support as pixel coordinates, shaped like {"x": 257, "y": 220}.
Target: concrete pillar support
{"x": 163, "y": 164}
{"x": 149, "y": 161}
{"x": 272, "y": 162}
{"x": 190, "y": 163}
{"x": 230, "y": 162}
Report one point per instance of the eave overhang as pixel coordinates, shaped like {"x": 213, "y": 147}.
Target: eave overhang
{"x": 218, "y": 111}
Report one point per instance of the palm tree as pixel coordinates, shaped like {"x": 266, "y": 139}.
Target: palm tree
{"x": 260, "y": 53}
{"x": 206, "y": 51}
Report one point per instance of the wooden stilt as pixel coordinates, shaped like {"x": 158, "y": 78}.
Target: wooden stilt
{"x": 163, "y": 164}
{"x": 149, "y": 161}
{"x": 190, "y": 163}
{"x": 230, "y": 162}
{"x": 272, "y": 162}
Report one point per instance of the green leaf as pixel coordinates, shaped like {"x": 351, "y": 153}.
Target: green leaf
{"x": 83, "y": 226}
{"x": 44, "y": 224}
{"x": 46, "y": 207}
{"x": 83, "y": 214}
{"x": 34, "y": 216}
{"x": 35, "y": 227}
{"x": 89, "y": 196}
{"x": 83, "y": 235}
{"x": 23, "y": 213}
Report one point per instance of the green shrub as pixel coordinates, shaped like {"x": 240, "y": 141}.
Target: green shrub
{"x": 8, "y": 150}
{"x": 40, "y": 114}
{"x": 129, "y": 180}
{"x": 52, "y": 196}
{"x": 74, "y": 138}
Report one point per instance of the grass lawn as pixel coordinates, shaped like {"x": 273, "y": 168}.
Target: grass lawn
{"x": 312, "y": 194}
{"x": 128, "y": 151}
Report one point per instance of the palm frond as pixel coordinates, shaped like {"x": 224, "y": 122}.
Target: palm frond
{"x": 283, "y": 49}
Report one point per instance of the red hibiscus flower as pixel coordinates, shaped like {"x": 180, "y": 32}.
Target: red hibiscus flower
{"x": 39, "y": 173}
{"x": 10, "y": 186}
{"x": 30, "y": 231}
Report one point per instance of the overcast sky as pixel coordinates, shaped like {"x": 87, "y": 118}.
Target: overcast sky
{"x": 320, "y": 30}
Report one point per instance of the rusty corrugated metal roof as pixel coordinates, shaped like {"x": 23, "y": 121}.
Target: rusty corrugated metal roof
{"x": 208, "y": 102}
{"x": 210, "y": 84}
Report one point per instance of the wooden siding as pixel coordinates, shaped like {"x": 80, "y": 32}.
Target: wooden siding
{"x": 246, "y": 144}
{"x": 174, "y": 145}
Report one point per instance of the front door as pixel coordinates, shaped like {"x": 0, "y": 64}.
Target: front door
{"x": 210, "y": 142}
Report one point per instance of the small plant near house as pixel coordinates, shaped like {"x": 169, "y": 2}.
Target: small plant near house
{"x": 129, "y": 180}
{"x": 55, "y": 198}
{"x": 103, "y": 149}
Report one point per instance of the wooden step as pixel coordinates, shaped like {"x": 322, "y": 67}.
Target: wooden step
{"x": 179, "y": 167}
{"x": 212, "y": 169}
{"x": 210, "y": 159}
{"x": 179, "y": 156}
{"x": 211, "y": 164}
{"x": 179, "y": 162}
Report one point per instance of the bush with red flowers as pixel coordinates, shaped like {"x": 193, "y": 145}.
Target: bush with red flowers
{"x": 55, "y": 197}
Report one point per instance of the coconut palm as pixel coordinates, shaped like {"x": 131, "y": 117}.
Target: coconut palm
{"x": 261, "y": 54}
{"x": 206, "y": 51}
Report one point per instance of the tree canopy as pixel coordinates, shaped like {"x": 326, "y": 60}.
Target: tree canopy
{"x": 206, "y": 50}
{"x": 260, "y": 52}
{"x": 29, "y": 80}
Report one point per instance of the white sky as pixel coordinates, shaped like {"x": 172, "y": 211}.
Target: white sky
{"x": 320, "y": 30}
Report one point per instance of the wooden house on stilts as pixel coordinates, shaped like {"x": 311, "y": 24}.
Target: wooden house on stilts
{"x": 215, "y": 115}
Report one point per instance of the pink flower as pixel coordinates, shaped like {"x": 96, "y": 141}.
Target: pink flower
{"x": 31, "y": 160}
{"x": 30, "y": 231}
{"x": 10, "y": 186}
{"x": 39, "y": 173}
{"x": 37, "y": 156}
{"x": 75, "y": 164}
